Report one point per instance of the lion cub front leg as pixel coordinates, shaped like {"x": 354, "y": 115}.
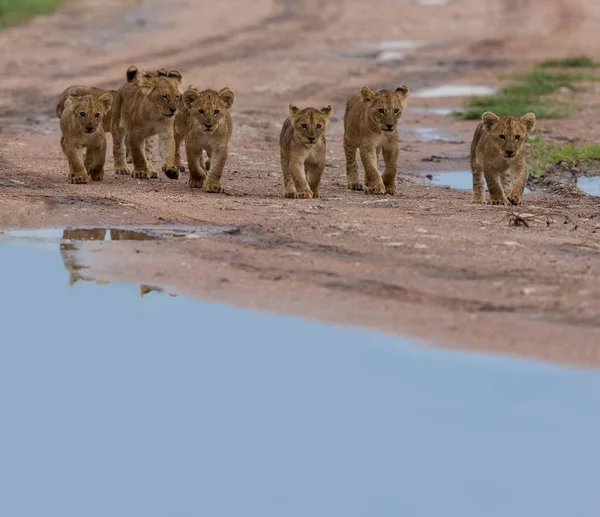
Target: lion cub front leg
{"x": 194, "y": 157}
{"x": 218, "y": 158}
{"x": 519, "y": 173}
{"x": 77, "y": 172}
{"x": 296, "y": 167}
{"x": 494, "y": 184}
{"x": 373, "y": 182}
{"x": 119, "y": 136}
{"x": 140, "y": 164}
{"x": 167, "y": 138}
{"x": 390, "y": 157}
{"x": 95, "y": 157}
{"x": 314, "y": 167}
{"x": 289, "y": 189}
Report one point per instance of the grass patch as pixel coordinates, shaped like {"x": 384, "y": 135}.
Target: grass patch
{"x": 526, "y": 93}
{"x": 15, "y": 11}
{"x": 544, "y": 155}
{"x": 570, "y": 62}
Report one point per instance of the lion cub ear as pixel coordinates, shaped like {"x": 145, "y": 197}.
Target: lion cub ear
{"x": 189, "y": 97}
{"x": 403, "y": 91}
{"x": 367, "y": 94}
{"x": 131, "y": 73}
{"x": 489, "y": 119}
{"x": 528, "y": 121}
{"x": 106, "y": 100}
{"x": 327, "y": 110}
{"x": 175, "y": 74}
{"x": 161, "y": 72}
{"x": 294, "y": 110}
{"x": 227, "y": 96}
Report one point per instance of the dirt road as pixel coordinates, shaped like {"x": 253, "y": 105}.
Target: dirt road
{"x": 425, "y": 263}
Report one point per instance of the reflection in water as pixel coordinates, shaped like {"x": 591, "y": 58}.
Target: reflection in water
{"x": 180, "y": 407}
{"x": 461, "y": 180}
{"x": 68, "y": 252}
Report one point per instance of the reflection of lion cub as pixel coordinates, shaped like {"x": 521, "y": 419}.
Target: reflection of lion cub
{"x": 82, "y": 127}
{"x": 370, "y": 125}
{"x": 142, "y": 110}
{"x": 302, "y": 144}
{"x": 206, "y": 125}
{"x": 497, "y": 154}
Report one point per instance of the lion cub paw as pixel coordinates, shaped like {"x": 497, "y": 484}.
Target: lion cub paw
{"x": 215, "y": 188}
{"x": 291, "y": 194}
{"x": 79, "y": 179}
{"x": 390, "y": 190}
{"x": 144, "y": 174}
{"x": 479, "y": 200}
{"x": 356, "y": 186}
{"x": 171, "y": 172}
{"x": 305, "y": 194}
{"x": 196, "y": 183}
{"x": 514, "y": 198}
{"x": 375, "y": 189}
{"x": 496, "y": 201}
{"x": 122, "y": 171}
{"x": 97, "y": 175}
{"x": 153, "y": 174}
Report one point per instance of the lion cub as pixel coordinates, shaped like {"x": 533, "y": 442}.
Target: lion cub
{"x": 303, "y": 145}
{"x": 82, "y": 127}
{"x": 370, "y": 125}
{"x": 144, "y": 108}
{"x": 497, "y": 154}
{"x": 206, "y": 125}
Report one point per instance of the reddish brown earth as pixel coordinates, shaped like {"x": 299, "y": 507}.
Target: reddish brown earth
{"x": 425, "y": 263}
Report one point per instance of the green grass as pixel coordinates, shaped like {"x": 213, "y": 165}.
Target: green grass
{"x": 570, "y": 62}
{"x": 526, "y": 94}
{"x": 544, "y": 155}
{"x": 15, "y": 11}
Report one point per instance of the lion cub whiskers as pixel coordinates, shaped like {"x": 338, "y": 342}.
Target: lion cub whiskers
{"x": 303, "y": 145}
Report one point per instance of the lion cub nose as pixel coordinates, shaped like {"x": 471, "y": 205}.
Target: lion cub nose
{"x": 311, "y": 138}
{"x": 509, "y": 153}
{"x": 172, "y": 110}
{"x": 208, "y": 126}
{"x": 390, "y": 126}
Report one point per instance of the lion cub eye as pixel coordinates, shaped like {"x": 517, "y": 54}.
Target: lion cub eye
{"x": 217, "y": 112}
{"x": 381, "y": 110}
{"x": 82, "y": 113}
{"x": 502, "y": 137}
{"x": 97, "y": 115}
{"x": 517, "y": 137}
{"x": 319, "y": 126}
{"x": 397, "y": 110}
{"x": 201, "y": 112}
{"x": 166, "y": 97}
{"x": 304, "y": 126}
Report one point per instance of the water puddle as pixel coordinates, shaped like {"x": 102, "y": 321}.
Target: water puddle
{"x": 385, "y": 51}
{"x": 159, "y": 406}
{"x": 589, "y": 184}
{"x": 454, "y": 90}
{"x": 443, "y": 112}
{"x": 460, "y": 180}
{"x": 430, "y": 134}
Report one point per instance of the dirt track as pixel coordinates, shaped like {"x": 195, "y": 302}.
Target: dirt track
{"x": 425, "y": 263}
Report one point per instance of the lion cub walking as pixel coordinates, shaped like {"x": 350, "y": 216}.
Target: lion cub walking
{"x": 81, "y": 124}
{"x": 370, "y": 125}
{"x": 497, "y": 155}
{"x": 205, "y": 123}
{"x": 303, "y": 145}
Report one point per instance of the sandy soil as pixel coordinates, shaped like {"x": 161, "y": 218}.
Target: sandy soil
{"x": 425, "y": 263}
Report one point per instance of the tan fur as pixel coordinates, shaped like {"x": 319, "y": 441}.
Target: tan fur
{"x": 370, "y": 125}
{"x": 81, "y": 91}
{"x": 81, "y": 125}
{"x": 205, "y": 125}
{"x": 497, "y": 153}
{"x": 141, "y": 111}
{"x": 303, "y": 145}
